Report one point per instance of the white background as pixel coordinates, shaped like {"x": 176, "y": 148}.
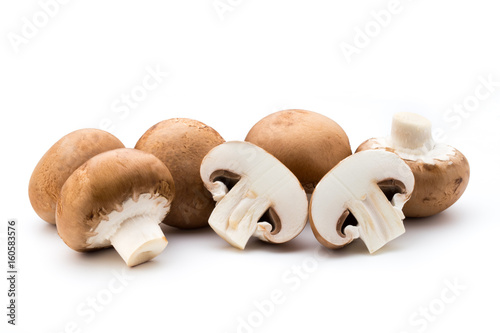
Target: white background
{"x": 229, "y": 72}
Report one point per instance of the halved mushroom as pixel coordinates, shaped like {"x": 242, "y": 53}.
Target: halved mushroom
{"x": 59, "y": 162}
{"x": 181, "y": 144}
{"x": 255, "y": 193}
{"x": 117, "y": 199}
{"x": 308, "y": 143}
{"x": 356, "y": 186}
{"x": 441, "y": 171}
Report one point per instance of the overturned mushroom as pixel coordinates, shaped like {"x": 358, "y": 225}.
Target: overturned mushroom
{"x": 356, "y": 186}
{"x": 441, "y": 171}
{"x": 59, "y": 162}
{"x": 117, "y": 199}
{"x": 307, "y": 143}
{"x": 249, "y": 184}
{"x": 181, "y": 144}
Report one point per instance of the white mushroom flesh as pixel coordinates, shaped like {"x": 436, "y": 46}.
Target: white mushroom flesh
{"x": 264, "y": 183}
{"x": 133, "y": 229}
{"x": 411, "y": 138}
{"x": 352, "y": 186}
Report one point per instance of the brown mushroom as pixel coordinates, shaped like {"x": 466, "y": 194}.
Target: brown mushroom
{"x": 181, "y": 144}
{"x": 306, "y": 142}
{"x": 117, "y": 198}
{"x": 59, "y": 162}
{"x": 441, "y": 171}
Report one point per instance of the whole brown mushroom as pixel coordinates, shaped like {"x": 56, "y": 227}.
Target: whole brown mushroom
{"x": 308, "y": 143}
{"x": 181, "y": 144}
{"x": 59, "y": 162}
{"x": 117, "y": 198}
{"x": 441, "y": 171}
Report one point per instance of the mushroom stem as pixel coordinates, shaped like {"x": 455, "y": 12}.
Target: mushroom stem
{"x": 411, "y": 131}
{"x": 139, "y": 239}
{"x": 353, "y": 185}
{"x": 236, "y": 215}
{"x": 379, "y": 222}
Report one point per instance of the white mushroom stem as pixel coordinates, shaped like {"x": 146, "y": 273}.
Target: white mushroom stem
{"x": 133, "y": 230}
{"x": 242, "y": 210}
{"x": 380, "y": 222}
{"x": 411, "y": 131}
{"x": 139, "y": 239}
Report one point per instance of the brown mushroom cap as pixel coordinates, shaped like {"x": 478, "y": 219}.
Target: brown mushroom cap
{"x": 308, "y": 143}
{"x": 101, "y": 185}
{"x": 438, "y": 185}
{"x": 59, "y": 162}
{"x": 182, "y": 144}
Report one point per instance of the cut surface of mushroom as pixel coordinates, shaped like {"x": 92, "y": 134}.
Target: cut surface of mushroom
{"x": 354, "y": 187}
{"x": 441, "y": 171}
{"x": 117, "y": 198}
{"x": 248, "y": 184}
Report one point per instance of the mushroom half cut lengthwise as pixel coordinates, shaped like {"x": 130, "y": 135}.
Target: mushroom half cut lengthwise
{"x": 359, "y": 185}
{"x": 117, "y": 199}
{"x": 255, "y": 194}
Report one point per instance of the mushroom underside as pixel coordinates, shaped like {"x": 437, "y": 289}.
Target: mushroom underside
{"x": 389, "y": 187}
{"x": 133, "y": 229}
{"x": 230, "y": 179}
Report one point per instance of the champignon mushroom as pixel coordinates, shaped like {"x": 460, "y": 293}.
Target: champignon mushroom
{"x": 356, "y": 186}
{"x": 117, "y": 199}
{"x": 59, "y": 162}
{"x": 181, "y": 144}
{"x": 307, "y": 143}
{"x": 255, "y": 193}
{"x": 441, "y": 171}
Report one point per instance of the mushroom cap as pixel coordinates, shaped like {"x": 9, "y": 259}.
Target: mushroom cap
{"x": 59, "y": 162}
{"x": 182, "y": 144}
{"x": 306, "y": 142}
{"x": 439, "y": 181}
{"x": 101, "y": 186}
